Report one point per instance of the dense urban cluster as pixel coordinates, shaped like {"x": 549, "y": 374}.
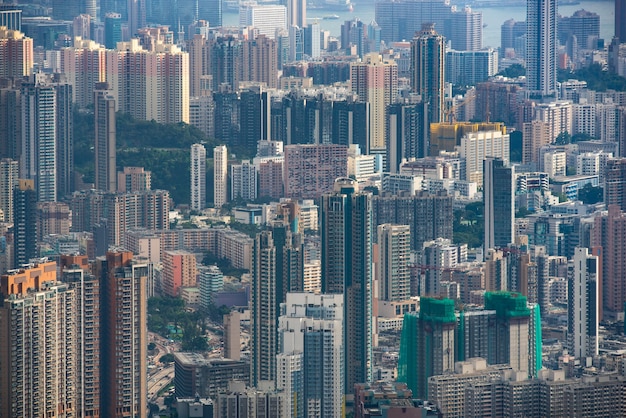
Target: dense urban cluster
{"x": 390, "y": 221}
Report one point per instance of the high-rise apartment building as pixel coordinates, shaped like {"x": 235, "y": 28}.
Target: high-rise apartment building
{"x": 583, "y": 306}
{"x": 615, "y": 183}
{"x": 436, "y": 257}
{"x": 220, "y": 175}
{"x": 476, "y": 146}
{"x": 407, "y": 133}
{"x": 179, "y": 270}
{"x": 499, "y": 200}
{"x": 150, "y": 85}
{"x": 536, "y": 134}
{"x": 468, "y": 68}
{"x": 428, "y": 70}
{"x": 260, "y": 61}
{"x": 16, "y": 53}
{"x": 310, "y": 359}
{"x": 609, "y": 233}
{"x": 9, "y": 170}
{"x": 310, "y": 170}
{"x": 346, "y": 220}
{"x": 541, "y": 47}
{"x": 123, "y": 334}
{"x": 243, "y": 181}
{"x": 198, "y": 177}
{"x": 226, "y": 62}
{"x": 374, "y": 79}
{"x": 394, "y": 275}
{"x": 24, "y": 222}
{"x": 38, "y": 324}
{"x": 134, "y": 179}
{"x": 84, "y": 66}
{"x": 210, "y": 281}
{"x": 105, "y": 139}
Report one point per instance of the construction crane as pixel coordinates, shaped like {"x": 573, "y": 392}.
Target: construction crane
{"x": 450, "y": 113}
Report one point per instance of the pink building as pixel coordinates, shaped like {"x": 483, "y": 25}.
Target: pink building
{"x": 179, "y": 270}
{"x": 310, "y": 170}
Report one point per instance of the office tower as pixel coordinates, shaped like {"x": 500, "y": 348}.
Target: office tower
{"x": 476, "y": 146}
{"x": 609, "y": 233}
{"x": 84, "y": 66}
{"x": 11, "y": 16}
{"x": 243, "y": 181}
{"x": 375, "y": 81}
{"x": 310, "y": 359}
{"x": 134, "y": 179}
{"x": 584, "y": 25}
{"x": 615, "y": 183}
{"x": 427, "y": 345}
{"x": 226, "y": 62}
{"x": 16, "y": 53}
{"x": 211, "y": 11}
{"x": 518, "y": 331}
{"x": 312, "y": 40}
{"x": 232, "y": 335}
{"x": 428, "y": 70}
{"x": 620, "y": 20}
{"x": 179, "y": 270}
{"x": 351, "y": 123}
{"x": 499, "y": 201}
{"x": 260, "y": 61}
{"x": 267, "y": 19}
{"x": 112, "y": 30}
{"x": 583, "y": 319}
{"x": 394, "y": 247}
{"x": 296, "y": 13}
{"x": 136, "y": 16}
{"x": 276, "y": 270}
{"x": 296, "y": 43}
{"x": 196, "y": 375}
{"x": 541, "y": 47}
{"x": 105, "y": 139}
{"x": 86, "y": 288}
{"x": 37, "y": 325}
{"x": 123, "y": 334}
{"x": 535, "y": 135}
{"x": 346, "y": 222}
{"x": 255, "y": 116}
{"x": 198, "y": 177}
{"x": 81, "y": 26}
{"x": 354, "y": 34}
{"x": 220, "y": 175}
{"x": 65, "y": 10}
{"x": 429, "y": 215}
{"x": 468, "y": 68}
{"x": 510, "y": 31}
{"x": 150, "y": 85}
{"x": 8, "y": 181}
{"x": 310, "y": 170}
{"x": 24, "y": 222}
{"x": 407, "y": 133}
{"x": 210, "y": 281}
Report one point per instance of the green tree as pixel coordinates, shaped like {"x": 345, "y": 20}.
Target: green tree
{"x": 563, "y": 138}
{"x": 167, "y": 358}
{"x": 513, "y": 71}
{"x": 590, "y": 194}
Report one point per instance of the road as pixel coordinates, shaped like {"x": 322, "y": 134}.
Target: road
{"x": 159, "y": 380}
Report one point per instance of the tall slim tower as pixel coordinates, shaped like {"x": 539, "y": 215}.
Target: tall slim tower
{"x": 8, "y": 181}
{"x": 583, "y": 316}
{"x": 375, "y": 81}
{"x": 24, "y": 222}
{"x": 428, "y": 52}
{"x": 394, "y": 243}
{"x": 541, "y": 47}
{"x": 615, "y": 183}
{"x": 499, "y": 200}
{"x": 347, "y": 268}
{"x": 198, "y": 177}
{"x": 220, "y": 175}
{"x": 105, "y": 152}
{"x": 296, "y": 13}
{"x": 620, "y": 20}
{"x": 124, "y": 342}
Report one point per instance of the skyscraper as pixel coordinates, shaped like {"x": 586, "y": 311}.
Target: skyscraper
{"x": 16, "y": 53}
{"x": 375, "y": 80}
{"x": 105, "y": 135}
{"x": 136, "y": 16}
{"x": 541, "y": 47}
{"x": 394, "y": 247}
{"x": 346, "y": 221}
{"x": 220, "y": 175}
{"x": 112, "y": 30}
{"x": 583, "y": 304}
{"x": 243, "y": 181}
{"x": 267, "y": 18}
{"x": 620, "y": 20}
{"x": 499, "y": 201}
{"x": 296, "y": 13}
{"x": 407, "y": 133}
{"x": 124, "y": 334}
{"x": 83, "y": 65}
{"x": 8, "y": 181}
{"x": 24, "y": 222}
{"x": 260, "y": 61}
{"x": 428, "y": 70}
{"x": 615, "y": 183}
{"x": 198, "y": 177}
{"x": 311, "y": 333}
